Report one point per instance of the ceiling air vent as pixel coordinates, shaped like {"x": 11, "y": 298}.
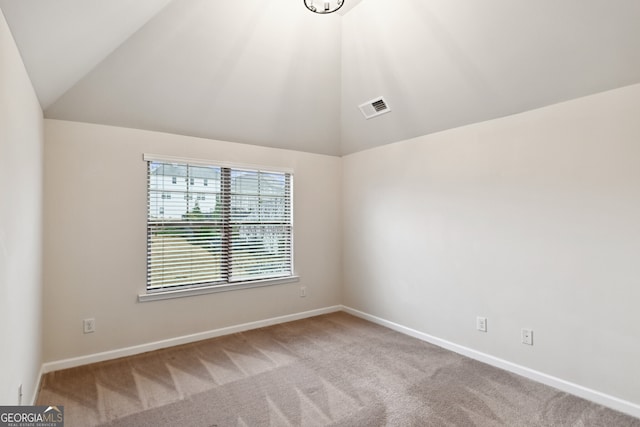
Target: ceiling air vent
{"x": 375, "y": 107}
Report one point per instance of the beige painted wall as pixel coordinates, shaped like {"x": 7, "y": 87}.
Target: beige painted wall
{"x": 21, "y": 138}
{"x": 531, "y": 220}
{"x": 95, "y": 242}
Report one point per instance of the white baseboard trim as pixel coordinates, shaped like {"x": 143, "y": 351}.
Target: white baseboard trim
{"x": 566, "y": 386}
{"x": 157, "y": 345}
{"x": 34, "y": 397}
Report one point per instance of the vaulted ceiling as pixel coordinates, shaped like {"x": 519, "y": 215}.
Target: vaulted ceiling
{"x": 272, "y": 73}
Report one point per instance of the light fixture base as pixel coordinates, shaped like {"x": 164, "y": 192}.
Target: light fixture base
{"x": 323, "y": 7}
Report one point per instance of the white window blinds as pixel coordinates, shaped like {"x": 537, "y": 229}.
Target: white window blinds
{"x": 216, "y": 225}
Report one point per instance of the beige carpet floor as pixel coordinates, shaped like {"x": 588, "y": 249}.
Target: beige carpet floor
{"x": 332, "y": 370}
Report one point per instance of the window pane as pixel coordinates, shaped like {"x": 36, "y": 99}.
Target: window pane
{"x": 184, "y": 255}
{"x": 184, "y": 229}
{"x": 259, "y": 251}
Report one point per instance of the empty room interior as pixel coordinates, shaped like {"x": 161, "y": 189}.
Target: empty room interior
{"x": 454, "y": 181}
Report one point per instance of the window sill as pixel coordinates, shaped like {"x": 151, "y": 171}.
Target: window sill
{"x": 182, "y": 293}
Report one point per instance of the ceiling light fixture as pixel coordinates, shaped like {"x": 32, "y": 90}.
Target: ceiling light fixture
{"x": 323, "y": 6}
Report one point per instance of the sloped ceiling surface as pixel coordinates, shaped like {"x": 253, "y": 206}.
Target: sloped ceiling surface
{"x": 271, "y": 73}
{"x": 444, "y": 63}
{"x": 61, "y": 41}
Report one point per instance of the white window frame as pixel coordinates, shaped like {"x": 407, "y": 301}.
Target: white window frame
{"x": 190, "y": 290}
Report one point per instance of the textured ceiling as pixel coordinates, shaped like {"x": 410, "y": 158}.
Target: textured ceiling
{"x": 271, "y": 73}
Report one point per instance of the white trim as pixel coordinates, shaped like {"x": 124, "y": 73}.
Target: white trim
{"x": 189, "y": 292}
{"x": 566, "y": 386}
{"x": 205, "y": 162}
{"x": 157, "y": 345}
{"x": 34, "y": 397}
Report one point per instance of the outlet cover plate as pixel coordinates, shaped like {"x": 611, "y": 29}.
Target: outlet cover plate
{"x": 89, "y": 326}
{"x": 481, "y": 324}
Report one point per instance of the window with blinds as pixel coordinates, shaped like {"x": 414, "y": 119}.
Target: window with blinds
{"x": 216, "y": 226}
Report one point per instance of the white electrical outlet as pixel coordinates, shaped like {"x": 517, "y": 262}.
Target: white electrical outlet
{"x": 89, "y": 325}
{"x": 303, "y": 291}
{"x": 481, "y": 324}
{"x": 527, "y": 336}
